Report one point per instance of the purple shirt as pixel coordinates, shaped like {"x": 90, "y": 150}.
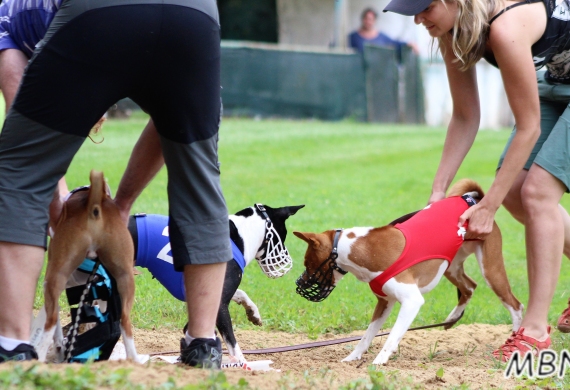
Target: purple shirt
{"x": 23, "y": 23}
{"x": 357, "y": 41}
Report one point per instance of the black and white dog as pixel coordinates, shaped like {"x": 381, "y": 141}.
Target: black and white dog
{"x": 256, "y": 232}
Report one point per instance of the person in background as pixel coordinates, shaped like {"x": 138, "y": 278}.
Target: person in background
{"x": 368, "y": 34}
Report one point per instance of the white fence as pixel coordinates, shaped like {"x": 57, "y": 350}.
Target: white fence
{"x": 495, "y": 111}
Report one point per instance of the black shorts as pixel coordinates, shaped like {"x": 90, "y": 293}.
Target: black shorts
{"x": 166, "y": 58}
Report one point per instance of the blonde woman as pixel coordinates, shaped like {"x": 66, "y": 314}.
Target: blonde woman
{"x": 534, "y": 170}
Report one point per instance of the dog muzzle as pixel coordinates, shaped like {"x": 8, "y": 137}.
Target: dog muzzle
{"x": 317, "y": 286}
{"x": 276, "y": 261}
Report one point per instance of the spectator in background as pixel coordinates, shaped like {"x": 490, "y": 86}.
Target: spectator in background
{"x": 367, "y": 33}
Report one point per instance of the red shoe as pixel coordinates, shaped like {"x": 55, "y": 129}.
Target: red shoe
{"x": 519, "y": 342}
{"x": 564, "y": 320}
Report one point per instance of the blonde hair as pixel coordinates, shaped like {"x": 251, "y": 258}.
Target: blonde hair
{"x": 471, "y": 30}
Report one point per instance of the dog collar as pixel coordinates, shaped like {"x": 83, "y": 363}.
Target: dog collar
{"x": 85, "y": 188}
{"x": 334, "y": 253}
{"x": 263, "y": 211}
{"x": 73, "y": 191}
{"x": 469, "y": 200}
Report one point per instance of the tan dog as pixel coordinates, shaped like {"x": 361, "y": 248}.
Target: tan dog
{"x": 368, "y": 252}
{"x": 89, "y": 226}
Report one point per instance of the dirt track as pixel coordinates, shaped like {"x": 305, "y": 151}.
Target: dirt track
{"x": 462, "y": 353}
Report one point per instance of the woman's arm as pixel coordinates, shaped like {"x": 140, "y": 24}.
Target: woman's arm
{"x": 511, "y": 38}
{"x": 464, "y": 122}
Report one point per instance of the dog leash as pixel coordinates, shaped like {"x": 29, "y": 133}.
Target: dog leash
{"x": 316, "y": 344}
{"x": 75, "y": 325}
{"x": 330, "y": 342}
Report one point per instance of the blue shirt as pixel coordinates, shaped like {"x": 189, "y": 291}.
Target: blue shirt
{"x": 23, "y": 23}
{"x": 357, "y": 41}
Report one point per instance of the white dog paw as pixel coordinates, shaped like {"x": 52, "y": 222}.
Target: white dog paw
{"x": 351, "y": 358}
{"x": 382, "y": 358}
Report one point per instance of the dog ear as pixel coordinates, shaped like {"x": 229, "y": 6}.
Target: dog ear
{"x": 291, "y": 210}
{"x": 287, "y": 211}
{"x": 309, "y": 238}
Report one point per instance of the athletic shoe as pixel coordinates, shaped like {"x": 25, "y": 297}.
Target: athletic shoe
{"x": 564, "y": 320}
{"x": 519, "y": 342}
{"x": 20, "y": 353}
{"x": 202, "y": 353}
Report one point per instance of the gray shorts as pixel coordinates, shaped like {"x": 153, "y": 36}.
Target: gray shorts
{"x": 62, "y": 96}
{"x": 552, "y": 149}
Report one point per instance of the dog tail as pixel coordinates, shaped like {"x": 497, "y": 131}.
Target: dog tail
{"x": 465, "y": 186}
{"x": 96, "y": 194}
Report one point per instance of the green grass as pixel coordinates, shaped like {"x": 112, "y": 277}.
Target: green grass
{"x": 92, "y": 377}
{"x": 347, "y": 174}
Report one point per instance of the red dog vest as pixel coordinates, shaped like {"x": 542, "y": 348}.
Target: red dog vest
{"x": 432, "y": 233}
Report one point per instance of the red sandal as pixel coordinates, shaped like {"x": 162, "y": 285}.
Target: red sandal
{"x": 564, "y": 320}
{"x": 519, "y": 342}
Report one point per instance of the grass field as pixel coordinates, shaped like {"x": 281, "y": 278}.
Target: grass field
{"x": 347, "y": 174}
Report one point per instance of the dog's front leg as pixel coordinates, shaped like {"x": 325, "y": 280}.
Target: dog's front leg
{"x": 251, "y": 310}
{"x": 412, "y": 300}
{"x": 381, "y": 312}
{"x": 224, "y": 325}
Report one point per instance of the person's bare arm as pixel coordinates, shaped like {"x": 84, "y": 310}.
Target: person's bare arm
{"x": 12, "y": 65}
{"x": 464, "y": 124}
{"x": 511, "y": 39}
{"x": 145, "y": 162}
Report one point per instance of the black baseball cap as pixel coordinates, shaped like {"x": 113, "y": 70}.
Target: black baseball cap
{"x": 407, "y": 7}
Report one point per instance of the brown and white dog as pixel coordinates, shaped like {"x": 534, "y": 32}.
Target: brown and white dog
{"x": 368, "y": 252}
{"x": 89, "y": 226}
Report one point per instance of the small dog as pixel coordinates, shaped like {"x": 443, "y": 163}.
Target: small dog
{"x": 378, "y": 255}
{"x": 260, "y": 234}
{"x": 256, "y": 232}
{"x": 89, "y": 226}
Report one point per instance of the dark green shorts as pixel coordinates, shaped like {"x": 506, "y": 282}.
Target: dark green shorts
{"x": 552, "y": 150}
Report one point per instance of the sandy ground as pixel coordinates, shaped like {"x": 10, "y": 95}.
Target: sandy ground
{"x": 462, "y": 352}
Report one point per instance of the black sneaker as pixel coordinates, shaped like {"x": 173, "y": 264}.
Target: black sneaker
{"x": 20, "y": 353}
{"x": 202, "y": 353}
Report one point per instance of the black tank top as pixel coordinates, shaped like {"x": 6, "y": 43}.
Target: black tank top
{"x": 553, "y": 48}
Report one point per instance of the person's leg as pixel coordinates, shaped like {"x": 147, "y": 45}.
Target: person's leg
{"x": 20, "y": 267}
{"x": 544, "y": 233}
{"x": 185, "y": 107}
{"x": 32, "y": 159}
{"x": 58, "y": 102}
{"x": 513, "y": 204}
{"x": 203, "y": 282}
{"x": 534, "y": 201}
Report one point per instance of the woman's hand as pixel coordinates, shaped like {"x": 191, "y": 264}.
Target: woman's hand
{"x": 436, "y": 196}
{"x": 480, "y": 219}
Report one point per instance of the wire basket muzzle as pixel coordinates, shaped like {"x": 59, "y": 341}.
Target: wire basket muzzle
{"x": 276, "y": 262}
